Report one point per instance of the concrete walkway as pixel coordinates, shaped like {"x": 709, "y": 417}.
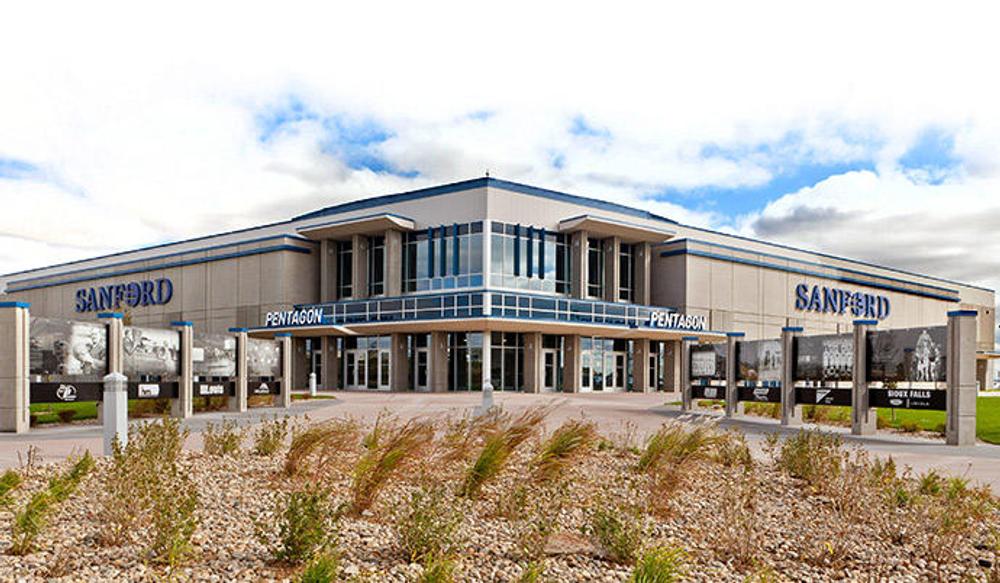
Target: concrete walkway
{"x": 613, "y": 413}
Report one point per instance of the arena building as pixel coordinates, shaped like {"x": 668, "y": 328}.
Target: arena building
{"x": 426, "y": 290}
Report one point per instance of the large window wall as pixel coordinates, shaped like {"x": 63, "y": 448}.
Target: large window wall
{"x": 465, "y": 361}
{"x": 595, "y": 268}
{"x": 345, "y": 269}
{"x": 376, "y": 265}
{"x": 507, "y": 361}
{"x": 525, "y": 257}
{"x": 626, "y": 272}
{"x": 445, "y": 257}
{"x": 605, "y": 364}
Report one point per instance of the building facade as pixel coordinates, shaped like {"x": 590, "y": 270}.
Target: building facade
{"x": 485, "y": 280}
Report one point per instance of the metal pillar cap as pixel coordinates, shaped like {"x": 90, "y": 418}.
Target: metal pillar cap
{"x": 116, "y": 315}
{"x": 866, "y": 322}
{"x": 792, "y": 329}
{"x": 690, "y": 338}
{"x": 962, "y": 313}
{"x": 15, "y": 304}
{"x": 736, "y": 334}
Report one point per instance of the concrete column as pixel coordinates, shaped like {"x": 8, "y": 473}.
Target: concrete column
{"x": 732, "y": 370}
{"x": 439, "y": 362}
{"x": 960, "y": 428}
{"x": 393, "y": 262}
{"x": 183, "y": 405}
{"x": 578, "y": 264}
{"x": 115, "y": 407}
{"x": 533, "y": 362}
{"x": 643, "y": 281}
{"x": 331, "y": 364}
{"x": 685, "y": 358}
{"x": 399, "y": 365}
{"x": 15, "y": 396}
{"x": 640, "y": 366}
{"x": 359, "y": 257}
{"x": 791, "y": 414}
{"x": 571, "y": 358}
{"x": 863, "y": 418}
{"x": 487, "y": 383}
{"x": 327, "y": 270}
{"x": 238, "y": 402}
{"x": 284, "y": 398}
{"x": 116, "y": 334}
{"x": 611, "y": 262}
{"x": 672, "y": 366}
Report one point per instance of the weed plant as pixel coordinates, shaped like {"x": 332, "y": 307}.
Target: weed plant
{"x": 390, "y": 448}
{"x": 572, "y": 441}
{"x": 270, "y": 435}
{"x": 9, "y": 482}
{"x": 619, "y": 529}
{"x": 306, "y": 525}
{"x": 318, "y": 449}
{"x": 31, "y": 520}
{"x": 222, "y": 440}
{"x": 659, "y": 565}
{"x": 427, "y": 527}
{"x": 323, "y": 568}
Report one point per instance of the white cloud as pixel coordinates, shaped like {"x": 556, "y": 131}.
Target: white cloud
{"x": 148, "y": 117}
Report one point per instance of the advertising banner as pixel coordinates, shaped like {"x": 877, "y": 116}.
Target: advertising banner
{"x": 263, "y": 359}
{"x": 929, "y": 399}
{"x": 824, "y": 359}
{"x": 759, "y": 361}
{"x": 708, "y": 361}
{"x": 151, "y": 352}
{"x": 67, "y": 360}
{"x": 214, "y": 355}
{"x": 708, "y": 392}
{"x": 822, "y": 396}
{"x": 915, "y": 355}
{"x": 214, "y": 389}
{"x": 154, "y": 390}
{"x": 760, "y": 394}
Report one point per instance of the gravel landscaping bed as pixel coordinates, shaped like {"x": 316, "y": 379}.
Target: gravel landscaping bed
{"x": 733, "y": 520}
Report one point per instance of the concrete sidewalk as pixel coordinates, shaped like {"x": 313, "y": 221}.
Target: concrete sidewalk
{"x": 613, "y": 413}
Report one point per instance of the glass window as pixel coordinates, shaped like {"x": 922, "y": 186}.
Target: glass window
{"x": 345, "y": 269}
{"x": 527, "y": 257}
{"x": 376, "y": 265}
{"x": 626, "y": 272}
{"x": 595, "y": 268}
{"x": 434, "y": 257}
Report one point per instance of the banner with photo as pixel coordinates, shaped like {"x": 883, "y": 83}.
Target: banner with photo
{"x": 151, "y": 352}
{"x": 759, "y": 361}
{"x": 214, "y": 355}
{"x": 67, "y": 348}
{"x": 824, "y": 359}
{"x": 263, "y": 358}
{"x": 915, "y": 355}
{"x": 708, "y": 361}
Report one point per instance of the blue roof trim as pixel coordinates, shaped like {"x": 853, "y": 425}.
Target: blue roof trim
{"x": 806, "y": 262}
{"x": 792, "y": 329}
{"x": 481, "y": 183}
{"x": 114, "y": 315}
{"x": 820, "y": 254}
{"x": 736, "y": 334}
{"x": 15, "y": 304}
{"x": 173, "y": 265}
{"x": 182, "y": 323}
{"x": 238, "y": 329}
{"x": 866, "y": 322}
{"x": 165, "y": 256}
{"x": 963, "y": 313}
{"x": 807, "y": 272}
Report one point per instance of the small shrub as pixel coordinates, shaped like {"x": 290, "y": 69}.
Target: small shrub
{"x": 540, "y": 521}
{"x": 930, "y": 483}
{"x": 677, "y": 443}
{"x": 619, "y": 530}
{"x": 737, "y": 539}
{"x": 222, "y": 440}
{"x": 390, "y": 448}
{"x": 732, "y": 451}
{"x": 498, "y": 446}
{"x": 30, "y": 521}
{"x": 270, "y": 436}
{"x": 319, "y": 448}
{"x": 439, "y": 570}
{"x": 305, "y": 526}
{"x": 9, "y": 482}
{"x": 772, "y": 410}
{"x": 909, "y": 426}
{"x": 66, "y": 415}
{"x": 426, "y": 530}
{"x": 812, "y": 456}
{"x": 659, "y": 565}
{"x": 172, "y": 518}
{"x": 323, "y": 568}
{"x": 532, "y": 572}
{"x": 567, "y": 444}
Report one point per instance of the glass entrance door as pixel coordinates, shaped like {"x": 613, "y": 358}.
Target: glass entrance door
{"x": 355, "y": 369}
{"x": 550, "y": 368}
{"x": 421, "y": 370}
{"x": 367, "y": 369}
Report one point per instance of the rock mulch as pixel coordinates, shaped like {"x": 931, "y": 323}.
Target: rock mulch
{"x": 794, "y": 534}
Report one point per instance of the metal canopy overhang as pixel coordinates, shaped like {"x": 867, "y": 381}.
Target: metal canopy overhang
{"x": 608, "y": 227}
{"x": 489, "y": 325}
{"x": 356, "y": 226}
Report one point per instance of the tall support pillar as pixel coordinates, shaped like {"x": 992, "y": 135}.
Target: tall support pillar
{"x": 331, "y": 363}
{"x": 393, "y": 271}
{"x": 732, "y": 368}
{"x": 863, "y": 418}
{"x": 116, "y": 354}
{"x": 672, "y": 366}
{"x": 399, "y": 365}
{"x": 960, "y": 428}
{"x": 359, "y": 259}
{"x": 640, "y": 366}
{"x": 791, "y": 414}
{"x": 15, "y": 398}
{"x": 571, "y": 372}
{"x": 611, "y": 261}
{"x": 327, "y": 270}
{"x": 643, "y": 263}
{"x": 439, "y": 362}
{"x": 578, "y": 264}
{"x": 183, "y": 406}
{"x": 284, "y": 397}
{"x": 533, "y": 362}
{"x": 685, "y": 358}
{"x": 238, "y": 402}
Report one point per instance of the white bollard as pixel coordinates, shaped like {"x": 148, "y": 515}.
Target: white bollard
{"x": 487, "y": 403}
{"x": 115, "y": 409}
{"x": 312, "y": 384}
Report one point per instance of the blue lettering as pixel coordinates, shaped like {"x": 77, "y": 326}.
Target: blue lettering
{"x": 91, "y": 300}
{"x": 857, "y": 308}
{"x": 830, "y": 300}
{"x": 815, "y": 304}
{"x": 119, "y": 295}
{"x": 81, "y": 300}
{"x": 869, "y": 306}
{"x": 883, "y": 307}
{"x": 801, "y": 296}
{"x": 104, "y": 298}
{"x": 132, "y": 294}
{"x": 147, "y": 294}
{"x": 164, "y": 290}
